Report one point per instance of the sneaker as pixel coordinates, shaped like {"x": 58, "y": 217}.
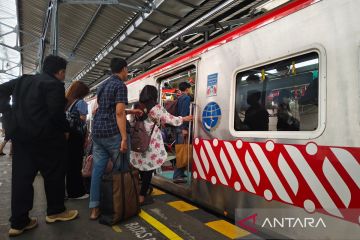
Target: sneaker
{"x": 64, "y": 216}
{"x": 16, "y": 232}
{"x": 85, "y": 196}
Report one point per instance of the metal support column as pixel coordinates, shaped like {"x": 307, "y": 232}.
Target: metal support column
{"x": 42, "y": 46}
{"x": 54, "y": 39}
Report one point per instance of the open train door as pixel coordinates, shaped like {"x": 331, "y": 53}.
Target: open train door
{"x": 169, "y": 176}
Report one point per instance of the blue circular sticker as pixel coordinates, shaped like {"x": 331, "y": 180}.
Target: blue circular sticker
{"x": 211, "y": 116}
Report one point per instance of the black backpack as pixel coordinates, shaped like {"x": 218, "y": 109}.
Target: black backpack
{"x": 73, "y": 117}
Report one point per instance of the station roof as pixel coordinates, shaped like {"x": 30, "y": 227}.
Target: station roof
{"x": 140, "y": 31}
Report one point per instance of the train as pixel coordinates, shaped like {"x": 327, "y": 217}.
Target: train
{"x": 304, "y": 55}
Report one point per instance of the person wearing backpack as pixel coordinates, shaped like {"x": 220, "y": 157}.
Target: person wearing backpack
{"x": 77, "y": 109}
{"x": 38, "y": 131}
{"x": 182, "y": 132}
{"x": 155, "y": 155}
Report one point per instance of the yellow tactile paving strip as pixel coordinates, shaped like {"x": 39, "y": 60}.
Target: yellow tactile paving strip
{"x": 157, "y": 192}
{"x": 227, "y": 229}
{"x": 182, "y": 206}
{"x": 167, "y": 232}
{"x": 221, "y": 226}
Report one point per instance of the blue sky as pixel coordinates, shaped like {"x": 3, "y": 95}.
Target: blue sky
{"x": 9, "y": 58}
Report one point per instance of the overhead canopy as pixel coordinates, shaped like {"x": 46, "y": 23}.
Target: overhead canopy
{"x": 145, "y": 33}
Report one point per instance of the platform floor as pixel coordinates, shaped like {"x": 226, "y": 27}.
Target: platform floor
{"x": 168, "y": 218}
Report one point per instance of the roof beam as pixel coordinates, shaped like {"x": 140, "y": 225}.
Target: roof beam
{"x": 209, "y": 27}
{"x": 134, "y": 24}
{"x": 156, "y": 23}
{"x": 185, "y": 29}
{"x": 109, "y": 2}
{"x": 187, "y": 4}
{"x": 85, "y": 31}
{"x": 147, "y": 31}
{"x": 168, "y": 14}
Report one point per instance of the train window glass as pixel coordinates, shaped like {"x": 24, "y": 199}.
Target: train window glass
{"x": 281, "y": 96}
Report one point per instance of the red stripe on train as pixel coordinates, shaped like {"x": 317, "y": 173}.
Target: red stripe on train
{"x": 318, "y": 178}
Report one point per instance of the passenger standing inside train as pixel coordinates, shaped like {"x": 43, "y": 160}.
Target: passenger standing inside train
{"x": 109, "y": 129}
{"x": 39, "y": 143}
{"x": 256, "y": 116}
{"x": 75, "y": 104}
{"x": 182, "y": 132}
{"x": 156, "y": 154}
{"x": 286, "y": 120}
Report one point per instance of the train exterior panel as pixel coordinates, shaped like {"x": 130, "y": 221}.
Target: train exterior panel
{"x": 316, "y": 168}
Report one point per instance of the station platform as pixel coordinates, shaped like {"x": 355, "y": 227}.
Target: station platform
{"x": 167, "y": 218}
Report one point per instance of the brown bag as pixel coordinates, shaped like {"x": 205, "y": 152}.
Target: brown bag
{"x": 119, "y": 198}
{"x": 182, "y": 152}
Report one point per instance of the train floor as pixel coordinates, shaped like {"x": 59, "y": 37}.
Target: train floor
{"x": 167, "y": 218}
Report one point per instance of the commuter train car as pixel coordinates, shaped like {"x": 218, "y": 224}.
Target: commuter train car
{"x": 299, "y": 63}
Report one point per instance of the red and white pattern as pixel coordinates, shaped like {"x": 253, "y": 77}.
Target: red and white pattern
{"x": 317, "y": 178}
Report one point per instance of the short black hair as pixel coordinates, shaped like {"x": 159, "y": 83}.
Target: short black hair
{"x": 184, "y": 85}
{"x": 117, "y": 65}
{"x": 53, "y": 64}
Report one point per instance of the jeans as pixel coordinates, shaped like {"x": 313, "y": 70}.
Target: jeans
{"x": 179, "y": 172}
{"x": 103, "y": 150}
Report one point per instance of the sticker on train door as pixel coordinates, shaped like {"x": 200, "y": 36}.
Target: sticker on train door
{"x": 211, "y": 116}
{"x": 212, "y": 80}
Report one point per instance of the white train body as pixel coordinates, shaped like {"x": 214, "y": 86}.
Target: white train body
{"x": 318, "y": 170}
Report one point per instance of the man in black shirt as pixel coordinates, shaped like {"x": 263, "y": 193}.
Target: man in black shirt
{"x": 38, "y": 131}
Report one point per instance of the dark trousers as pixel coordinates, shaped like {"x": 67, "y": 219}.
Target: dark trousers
{"x": 48, "y": 157}
{"x": 74, "y": 180}
{"x": 145, "y": 181}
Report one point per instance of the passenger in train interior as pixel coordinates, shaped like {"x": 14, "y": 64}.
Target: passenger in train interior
{"x": 256, "y": 116}
{"x": 286, "y": 120}
{"x": 182, "y": 132}
{"x": 74, "y": 181}
{"x": 109, "y": 129}
{"x": 39, "y": 143}
{"x": 156, "y": 154}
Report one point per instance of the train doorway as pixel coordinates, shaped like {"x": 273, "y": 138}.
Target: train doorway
{"x": 176, "y": 170}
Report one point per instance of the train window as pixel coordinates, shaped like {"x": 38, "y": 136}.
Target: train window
{"x": 281, "y": 96}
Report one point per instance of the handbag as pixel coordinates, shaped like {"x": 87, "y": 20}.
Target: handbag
{"x": 184, "y": 154}
{"x": 88, "y": 166}
{"x": 119, "y": 195}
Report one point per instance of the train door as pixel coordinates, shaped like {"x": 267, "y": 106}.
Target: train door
{"x": 178, "y": 138}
